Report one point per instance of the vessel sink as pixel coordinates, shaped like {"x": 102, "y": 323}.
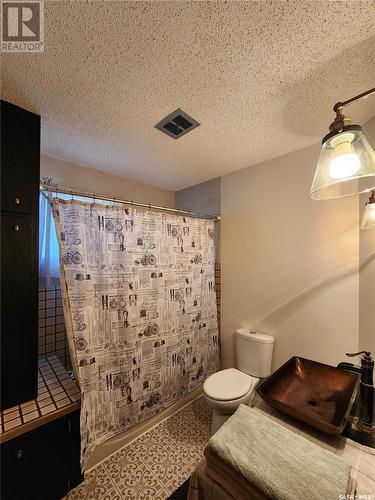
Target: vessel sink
{"x": 314, "y": 393}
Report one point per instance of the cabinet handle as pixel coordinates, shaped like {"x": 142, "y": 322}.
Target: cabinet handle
{"x": 19, "y": 453}
{"x": 17, "y": 201}
{"x": 17, "y": 227}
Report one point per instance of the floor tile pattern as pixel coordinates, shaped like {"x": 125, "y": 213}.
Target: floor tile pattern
{"x": 56, "y": 390}
{"x": 155, "y": 464}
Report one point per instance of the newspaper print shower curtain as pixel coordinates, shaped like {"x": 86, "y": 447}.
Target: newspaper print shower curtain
{"x": 140, "y": 311}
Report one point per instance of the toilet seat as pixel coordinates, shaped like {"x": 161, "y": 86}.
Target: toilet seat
{"x": 228, "y": 385}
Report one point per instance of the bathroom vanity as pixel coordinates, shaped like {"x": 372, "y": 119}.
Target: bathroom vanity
{"x": 360, "y": 458}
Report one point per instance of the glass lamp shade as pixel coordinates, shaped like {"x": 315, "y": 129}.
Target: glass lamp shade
{"x": 368, "y": 217}
{"x": 346, "y": 165}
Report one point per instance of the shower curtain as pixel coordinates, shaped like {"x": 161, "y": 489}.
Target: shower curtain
{"x": 140, "y": 310}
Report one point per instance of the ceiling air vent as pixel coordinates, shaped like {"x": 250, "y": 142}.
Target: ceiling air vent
{"x": 177, "y": 124}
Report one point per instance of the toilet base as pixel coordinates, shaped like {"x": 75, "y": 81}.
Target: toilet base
{"x": 219, "y": 418}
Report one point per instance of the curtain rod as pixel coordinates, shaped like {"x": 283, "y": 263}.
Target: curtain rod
{"x": 75, "y": 192}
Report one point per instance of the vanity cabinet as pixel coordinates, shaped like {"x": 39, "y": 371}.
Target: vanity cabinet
{"x": 20, "y": 160}
{"x": 42, "y": 464}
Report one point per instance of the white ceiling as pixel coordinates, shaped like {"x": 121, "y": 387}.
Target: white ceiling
{"x": 260, "y": 76}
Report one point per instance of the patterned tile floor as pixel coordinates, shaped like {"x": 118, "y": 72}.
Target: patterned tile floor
{"x": 155, "y": 464}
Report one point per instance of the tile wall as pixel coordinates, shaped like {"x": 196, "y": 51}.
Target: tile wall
{"x": 51, "y": 325}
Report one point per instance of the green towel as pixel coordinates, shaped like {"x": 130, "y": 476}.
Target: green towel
{"x": 277, "y": 461}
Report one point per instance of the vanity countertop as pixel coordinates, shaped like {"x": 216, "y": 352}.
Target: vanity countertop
{"x": 361, "y": 458}
{"x": 58, "y": 395}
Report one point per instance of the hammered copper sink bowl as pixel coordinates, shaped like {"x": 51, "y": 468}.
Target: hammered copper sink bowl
{"x": 317, "y": 394}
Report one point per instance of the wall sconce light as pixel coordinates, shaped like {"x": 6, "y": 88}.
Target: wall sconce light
{"x": 368, "y": 217}
{"x": 346, "y": 164}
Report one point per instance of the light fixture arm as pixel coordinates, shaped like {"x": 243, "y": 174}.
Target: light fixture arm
{"x": 371, "y": 200}
{"x": 339, "y": 105}
{"x": 341, "y": 121}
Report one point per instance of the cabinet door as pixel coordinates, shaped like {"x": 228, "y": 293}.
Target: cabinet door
{"x": 36, "y": 466}
{"x": 20, "y": 159}
{"x": 75, "y": 475}
{"x": 19, "y": 315}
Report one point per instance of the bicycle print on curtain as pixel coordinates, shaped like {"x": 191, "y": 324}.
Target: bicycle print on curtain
{"x": 140, "y": 310}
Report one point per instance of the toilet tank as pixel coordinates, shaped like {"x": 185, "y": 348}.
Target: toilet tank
{"x": 254, "y": 352}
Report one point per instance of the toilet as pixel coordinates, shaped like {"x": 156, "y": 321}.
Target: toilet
{"x": 225, "y": 390}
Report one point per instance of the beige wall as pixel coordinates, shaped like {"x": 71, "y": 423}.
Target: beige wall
{"x": 367, "y": 269}
{"x": 87, "y": 179}
{"x": 289, "y": 264}
{"x": 204, "y": 198}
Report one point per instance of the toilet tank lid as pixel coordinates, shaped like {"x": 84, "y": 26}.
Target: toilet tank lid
{"x": 255, "y": 336}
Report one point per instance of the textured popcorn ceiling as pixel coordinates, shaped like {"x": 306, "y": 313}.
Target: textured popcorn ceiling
{"x": 260, "y": 76}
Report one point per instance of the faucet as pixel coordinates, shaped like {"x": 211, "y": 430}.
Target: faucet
{"x": 366, "y": 421}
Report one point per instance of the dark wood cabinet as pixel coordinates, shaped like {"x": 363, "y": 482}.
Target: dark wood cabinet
{"x": 42, "y": 464}
{"x": 19, "y": 305}
{"x": 20, "y": 159}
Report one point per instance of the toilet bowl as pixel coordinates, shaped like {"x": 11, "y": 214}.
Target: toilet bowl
{"x": 225, "y": 390}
